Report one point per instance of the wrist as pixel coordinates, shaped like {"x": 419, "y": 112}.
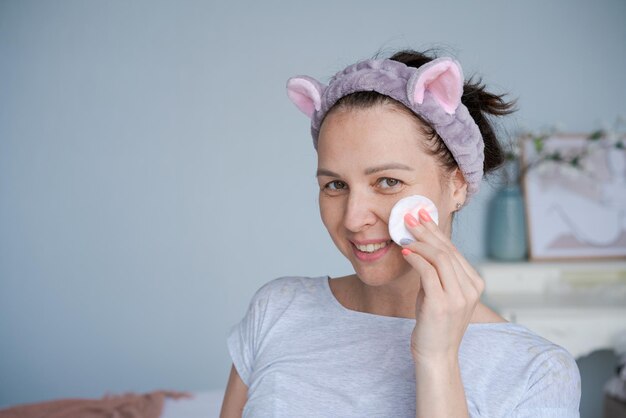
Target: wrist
{"x": 437, "y": 361}
{"x": 441, "y": 373}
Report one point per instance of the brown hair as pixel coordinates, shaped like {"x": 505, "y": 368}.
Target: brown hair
{"x": 480, "y": 103}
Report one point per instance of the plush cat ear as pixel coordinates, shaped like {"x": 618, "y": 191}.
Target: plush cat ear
{"x": 443, "y": 78}
{"x": 306, "y": 93}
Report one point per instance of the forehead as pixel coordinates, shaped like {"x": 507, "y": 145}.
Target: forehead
{"x": 362, "y": 137}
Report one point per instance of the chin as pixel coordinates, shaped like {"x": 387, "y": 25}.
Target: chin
{"x": 377, "y": 274}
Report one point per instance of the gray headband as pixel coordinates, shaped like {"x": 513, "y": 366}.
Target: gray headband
{"x": 432, "y": 92}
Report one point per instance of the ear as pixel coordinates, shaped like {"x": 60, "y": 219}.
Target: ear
{"x": 458, "y": 187}
{"x": 306, "y": 93}
{"x": 443, "y": 78}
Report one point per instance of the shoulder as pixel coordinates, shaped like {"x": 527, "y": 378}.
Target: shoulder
{"x": 505, "y": 333}
{"x": 281, "y": 303}
{"x": 287, "y": 283}
{"x": 515, "y": 343}
{"x": 283, "y": 289}
{"x": 544, "y": 374}
{"x": 553, "y": 382}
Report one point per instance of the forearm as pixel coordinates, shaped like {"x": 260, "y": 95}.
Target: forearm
{"x": 439, "y": 389}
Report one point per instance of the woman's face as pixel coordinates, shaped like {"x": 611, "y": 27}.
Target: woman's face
{"x": 368, "y": 159}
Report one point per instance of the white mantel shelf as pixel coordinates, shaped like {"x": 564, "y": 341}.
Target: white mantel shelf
{"x": 578, "y": 305}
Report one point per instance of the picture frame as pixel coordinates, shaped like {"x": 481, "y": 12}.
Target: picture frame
{"x": 574, "y": 189}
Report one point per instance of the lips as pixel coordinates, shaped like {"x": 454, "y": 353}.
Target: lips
{"x": 370, "y": 250}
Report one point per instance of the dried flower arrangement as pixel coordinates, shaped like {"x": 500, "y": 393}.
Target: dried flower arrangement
{"x": 516, "y": 166}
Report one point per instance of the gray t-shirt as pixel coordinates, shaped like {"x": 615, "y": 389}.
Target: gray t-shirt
{"x": 302, "y": 354}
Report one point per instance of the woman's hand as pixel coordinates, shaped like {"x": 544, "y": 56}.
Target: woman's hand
{"x": 450, "y": 290}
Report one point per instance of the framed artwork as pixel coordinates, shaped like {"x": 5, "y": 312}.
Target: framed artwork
{"x": 575, "y": 196}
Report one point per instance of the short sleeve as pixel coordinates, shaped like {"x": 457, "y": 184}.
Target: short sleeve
{"x": 243, "y": 338}
{"x": 554, "y": 388}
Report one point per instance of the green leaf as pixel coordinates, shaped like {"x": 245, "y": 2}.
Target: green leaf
{"x": 595, "y": 135}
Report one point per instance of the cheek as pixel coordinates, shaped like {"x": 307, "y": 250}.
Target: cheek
{"x": 384, "y": 207}
{"x": 330, "y": 211}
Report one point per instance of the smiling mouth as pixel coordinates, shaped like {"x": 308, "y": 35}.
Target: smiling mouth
{"x": 372, "y": 248}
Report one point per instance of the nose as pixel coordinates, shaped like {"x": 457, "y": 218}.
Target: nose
{"x": 359, "y": 212}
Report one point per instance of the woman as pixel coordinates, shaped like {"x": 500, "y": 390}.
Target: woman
{"x": 406, "y": 334}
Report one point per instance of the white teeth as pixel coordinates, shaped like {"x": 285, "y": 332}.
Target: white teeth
{"x": 370, "y": 248}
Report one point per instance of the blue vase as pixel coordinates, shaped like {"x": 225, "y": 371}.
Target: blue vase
{"x": 506, "y": 223}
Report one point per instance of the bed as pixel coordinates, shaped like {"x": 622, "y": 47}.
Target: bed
{"x": 156, "y": 404}
{"x": 202, "y": 404}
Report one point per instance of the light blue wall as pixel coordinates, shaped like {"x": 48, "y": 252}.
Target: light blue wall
{"x": 153, "y": 174}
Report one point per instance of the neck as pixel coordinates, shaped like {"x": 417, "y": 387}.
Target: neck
{"x": 398, "y": 301}
{"x": 396, "y": 298}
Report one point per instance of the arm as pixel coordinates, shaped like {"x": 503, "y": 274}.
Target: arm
{"x": 553, "y": 388}
{"x": 449, "y": 292}
{"x": 235, "y": 396}
{"x": 439, "y": 389}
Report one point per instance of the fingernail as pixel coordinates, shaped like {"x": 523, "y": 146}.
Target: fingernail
{"x": 425, "y": 215}
{"x": 410, "y": 220}
{"x": 406, "y": 251}
{"x": 406, "y": 241}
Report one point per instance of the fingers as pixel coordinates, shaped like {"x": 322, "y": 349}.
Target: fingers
{"x": 428, "y": 275}
{"x": 427, "y": 231}
{"x": 435, "y": 247}
{"x": 448, "y": 293}
{"x": 440, "y": 262}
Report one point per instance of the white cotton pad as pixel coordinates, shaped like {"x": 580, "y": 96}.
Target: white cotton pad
{"x": 412, "y": 205}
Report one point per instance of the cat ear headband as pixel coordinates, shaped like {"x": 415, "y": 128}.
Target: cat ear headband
{"x": 432, "y": 91}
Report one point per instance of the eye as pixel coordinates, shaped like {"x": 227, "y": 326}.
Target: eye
{"x": 388, "y": 183}
{"x": 336, "y": 185}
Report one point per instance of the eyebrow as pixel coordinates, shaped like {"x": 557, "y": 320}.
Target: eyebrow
{"x": 368, "y": 171}
{"x": 390, "y": 166}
